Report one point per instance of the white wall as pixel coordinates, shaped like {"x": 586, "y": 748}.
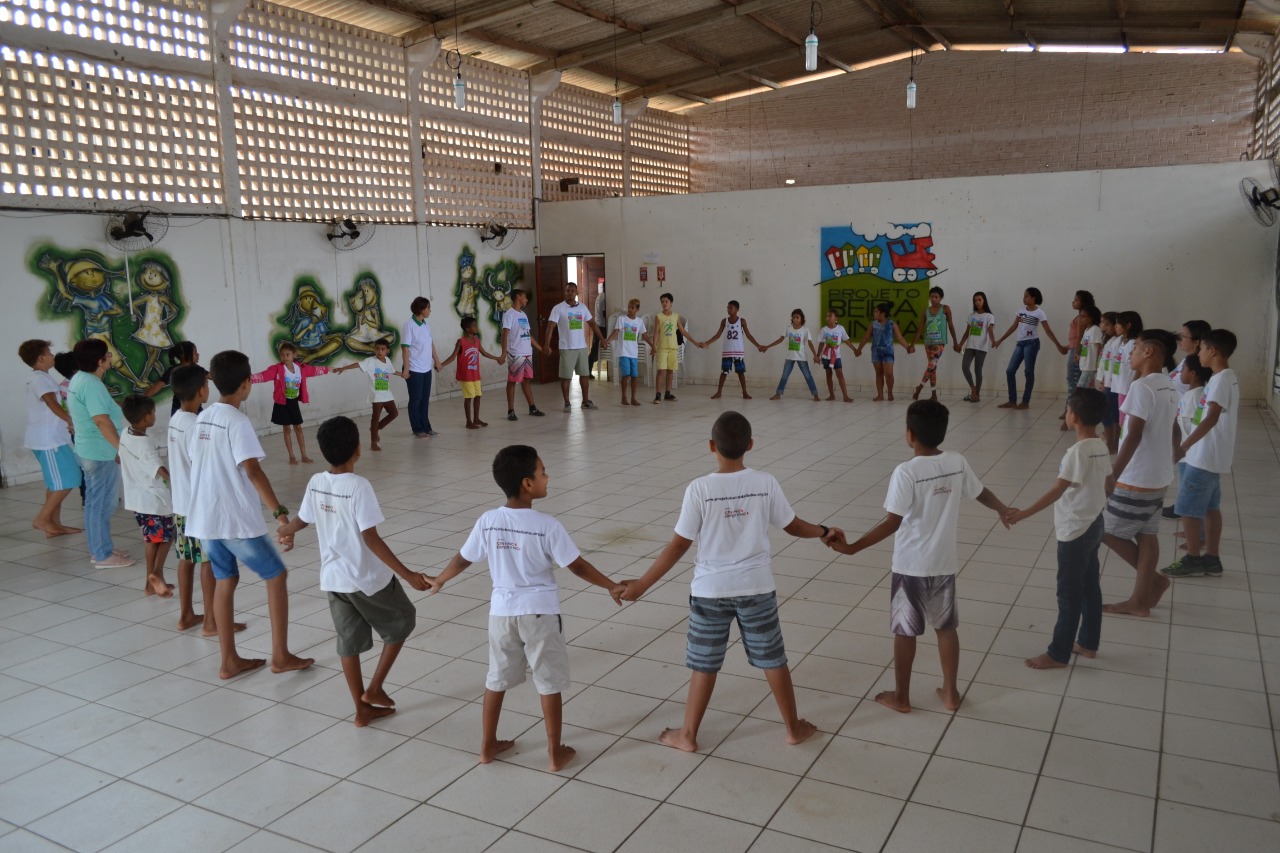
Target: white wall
{"x": 235, "y": 277}
{"x": 1174, "y": 243}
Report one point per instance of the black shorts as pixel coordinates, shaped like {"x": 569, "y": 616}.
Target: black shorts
{"x": 288, "y": 414}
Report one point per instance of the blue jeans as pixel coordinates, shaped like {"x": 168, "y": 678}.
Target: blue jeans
{"x": 101, "y": 494}
{"x": 787, "y": 367}
{"x": 1079, "y": 594}
{"x": 1024, "y": 351}
{"x": 419, "y": 400}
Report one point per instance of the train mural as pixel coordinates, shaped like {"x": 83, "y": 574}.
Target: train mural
{"x": 865, "y": 266}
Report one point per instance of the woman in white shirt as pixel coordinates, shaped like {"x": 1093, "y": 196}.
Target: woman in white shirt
{"x": 979, "y": 338}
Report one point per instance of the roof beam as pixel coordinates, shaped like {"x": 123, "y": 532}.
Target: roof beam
{"x": 779, "y": 30}
{"x": 914, "y": 13}
{"x": 902, "y": 29}
{"x": 488, "y": 14}
{"x": 1171, "y": 22}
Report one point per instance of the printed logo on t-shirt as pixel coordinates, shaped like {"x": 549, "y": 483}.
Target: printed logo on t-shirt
{"x": 975, "y": 328}
{"x": 630, "y": 332}
{"x": 575, "y": 323}
{"x": 793, "y": 341}
{"x": 522, "y": 325}
{"x": 505, "y": 545}
{"x": 292, "y": 382}
{"x": 736, "y": 513}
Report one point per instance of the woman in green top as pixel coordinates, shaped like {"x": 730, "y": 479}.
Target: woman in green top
{"x": 934, "y": 323}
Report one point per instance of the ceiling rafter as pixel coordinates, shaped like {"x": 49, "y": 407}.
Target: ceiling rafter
{"x": 904, "y": 30}
{"x": 915, "y": 15}
{"x": 490, "y": 13}
{"x": 781, "y": 31}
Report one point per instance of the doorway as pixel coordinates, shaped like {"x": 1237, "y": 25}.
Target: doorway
{"x": 552, "y": 273}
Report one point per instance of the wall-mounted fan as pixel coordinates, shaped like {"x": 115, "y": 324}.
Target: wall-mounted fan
{"x": 496, "y": 235}
{"x": 1263, "y": 202}
{"x": 346, "y": 233}
{"x": 133, "y": 230}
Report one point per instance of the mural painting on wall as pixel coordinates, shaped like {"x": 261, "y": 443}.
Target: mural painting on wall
{"x": 493, "y": 284}
{"x": 96, "y": 293}
{"x": 307, "y": 321}
{"x": 865, "y": 266}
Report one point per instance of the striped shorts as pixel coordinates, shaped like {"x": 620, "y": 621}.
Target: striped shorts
{"x": 757, "y": 618}
{"x": 1130, "y": 514}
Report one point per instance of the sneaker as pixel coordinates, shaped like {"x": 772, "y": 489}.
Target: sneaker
{"x": 536, "y": 412}
{"x": 1187, "y": 567}
{"x": 115, "y": 561}
{"x": 116, "y": 553}
{"x": 1169, "y": 512}
{"x": 568, "y": 408}
{"x": 511, "y": 416}
{"x": 431, "y": 433}
{"x": 1212, "y": 566}
{"x": 670, "y": 397}
{"x": 588, "y": 405}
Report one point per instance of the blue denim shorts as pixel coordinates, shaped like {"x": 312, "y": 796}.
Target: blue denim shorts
{"x": 628, "y": 366}
{"x": 736, "y": 363}
{"x": 757, "y": 618}
{"x": 826, "y": 363}
{"x": 257, "y": 553}
{"x": 1199, "y": 491}
{"x": 881, "y": 356}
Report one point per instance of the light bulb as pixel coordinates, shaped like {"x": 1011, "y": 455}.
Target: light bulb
{"x": 911, "y": 95}
{"x": 811, "y": 51}
{"x": 459, "y": 92}
{"x": 617, "y": 110}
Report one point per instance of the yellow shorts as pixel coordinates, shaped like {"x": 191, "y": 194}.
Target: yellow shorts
{"x": 666, "y": 359}
{"x": 470, "y": 390}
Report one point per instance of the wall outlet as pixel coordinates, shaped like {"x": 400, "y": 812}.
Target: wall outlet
{"x": 746, "y": 278}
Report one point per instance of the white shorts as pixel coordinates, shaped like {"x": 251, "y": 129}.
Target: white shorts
{"x": 518, "y": 643}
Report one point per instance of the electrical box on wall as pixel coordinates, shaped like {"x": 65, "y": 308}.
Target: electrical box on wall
{"x": 746, "y": 278}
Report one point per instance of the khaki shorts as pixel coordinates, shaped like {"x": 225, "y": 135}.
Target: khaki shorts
{"x": 536, "y": 642}
{"x": 573, "y": 361}
{"x": 356, "y": 616}
{"x": 470, "y": 390}
{"x": 666, "y": 359}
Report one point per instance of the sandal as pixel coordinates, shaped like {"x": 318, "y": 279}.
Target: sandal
{"x": 968, "y": 398}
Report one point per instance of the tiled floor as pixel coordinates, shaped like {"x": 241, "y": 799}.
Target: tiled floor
{"x": 115, "y": 731}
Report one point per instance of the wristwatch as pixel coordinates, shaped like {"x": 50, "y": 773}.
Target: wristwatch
{"x": 279, "y": 511}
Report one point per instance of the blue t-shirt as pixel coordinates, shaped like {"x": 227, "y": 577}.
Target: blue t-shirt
{"x": 87, "y": 397}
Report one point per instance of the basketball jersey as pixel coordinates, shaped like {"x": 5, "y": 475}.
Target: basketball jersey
{"x": 733, "y": 347}
{"x": 469, "y": 361}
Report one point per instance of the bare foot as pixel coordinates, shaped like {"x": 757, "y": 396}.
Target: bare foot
{"x": 1007, "y": 406}
{"x": 891, "y": 398}
{"x": 1162, "y": 584}
{"x": 237, "y": 665}
{"x": 492, "y": 751}
{"x": 293, "y": 461}
{"x": 378, "y": 697}
{"x": 157, "y": 586}
{"x": 1043, "y": 662}
{"x": 634, "y": 401}
{"x": 889, "y": 699}
{"x": 915, "y": 395}
{"x": 803, "y": 731}
{"x": 831, "y": 397}
{"x": 950, "y": 701}
{"x": 848, "y": 399}
{"x": 375, "y": 447}
{"x": 1126, "y": 608}
{"x": 817, "y": 399}
{"x": 933, "y": 396}
{"x": 212, "y": 631}
{"x": 481, "y": 423}
{"x": 1083, "y": 652}
{"x": 624, "y": 402}
{"x": 776, "y": 397}
{"x": 307, "y": 459}
{"x": 560, "y": 756}
{"x": 366, "y": 714}
{"x": 472, "y": 426}
{"x": 877, "y": 399}
{"x": 291, "y": 663}
{"x": 715, "y": 396}
{"x": 675, "y": 738}
{"x": 746, "y": 396}
{"x": 185, "y": 622}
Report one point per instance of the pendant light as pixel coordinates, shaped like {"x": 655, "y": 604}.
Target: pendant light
{"x": 911, "y": 83}
{"x": 617, "y": 102}
{"x": 453, "y": 59}
{"x": 811, "y": 43}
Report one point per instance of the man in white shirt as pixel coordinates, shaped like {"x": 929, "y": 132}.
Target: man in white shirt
{"x": 571, "y": 318}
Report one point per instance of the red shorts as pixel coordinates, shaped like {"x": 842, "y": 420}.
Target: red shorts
{"x": 519, "y": 368}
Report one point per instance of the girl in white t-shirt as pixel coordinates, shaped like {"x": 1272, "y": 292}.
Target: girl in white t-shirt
{"x": 1193, "y": 331}
{"x": 1088, "y": 353}
{"x": 977, "y": 339}
{"x": 1028, "y": 322}
{"x": 1128, "y": 327}
{"x": 1110, "y": 354}
{"x": 797, "y": 338}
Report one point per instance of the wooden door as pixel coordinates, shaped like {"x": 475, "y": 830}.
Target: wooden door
{"x": 590, "y": 276}
{"x": 549, "y": 275}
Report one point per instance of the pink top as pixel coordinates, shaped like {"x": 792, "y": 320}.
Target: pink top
{"x": 275, "y": 373}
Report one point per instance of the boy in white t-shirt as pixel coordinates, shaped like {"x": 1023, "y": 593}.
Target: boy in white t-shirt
{"x": 1078, "y": 496}
{"x": 523, "y": 547}
{"x": 730, "y": 513}
{"x": 48, "y": 436}
{"x": 518, "y": 343}
{"x": 923, "y": 508}
{"x": 146, "y": 489}
{"x": 356, "y": 567}
{"x": 379, "y": 369}
{"x": 1143, "y": 470}
{"x": 629, "y": 330}
{"x": 1208, "y": 453}
{"x": 228, "y": 489}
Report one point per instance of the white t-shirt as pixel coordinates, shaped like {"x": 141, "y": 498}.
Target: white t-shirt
{"x": 523, "y": 547}
{"x": 1086, "y": 465}
{"x": 629, "y": 332}
{"x": 223, "y": 503}
{"x": 341, "y": 507}
{"x": 1121, "y": 371}
{"x": 572, "y": 321}
{"x": 1179, "y": 377}
{"x": 1029, "y": 323}
{"x": 144, "y": 490}
{"x": 795, "y": 341}
{"x": 734, "y": 339}
{"x": 978, "y": 338}
{"x": 417, "y": 337}
{"x": 379, "y": 373}
{"x": 927, "y": 491}
{"x": 1190, "y": 410}
{"x": 1215, "y": 450}
{"x": 829, "y": 341}
{"x": 1153, "y": 399}
{"x": 729, "y": 515}
{"x": 45, "y": 430}
{"x": 1090, "y": 348}
{"x": 180, "y": 426}
{"x": 519, "y": 335}
{"x": 1106, "y": 360}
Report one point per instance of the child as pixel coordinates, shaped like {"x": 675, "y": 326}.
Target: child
{"x": 290, "y": 389}
{"x": 832, "y": 335}
{"x": 48, "y": 436}
{"x": 1078, "y": 496}
{"x": 979, "y": 338}
{"x": 467, "y": 352}
{"x": 923, "y": 505}
{"x": 935, "y": 320}
{"x": 190, "y": 384}
{"x": 882, "y": 333}
{"x": 146, "y": 489}
{"x": 730, "y": 513}
{"x": 356, "y": 567}
{"x": 1028, "y": 322}
{"x": 797, "y": 338}
{"x": 666, "y": 349}
{"x": 1193, "y": 331}
{"x": 1081, "y": 302}
{"x": 1143, "y": 470}
{"x": 65, "y": 364}
{"x": 1129, "y": 328}
{"x": 518, "y": 344}
{"x": 379, "y": 369}
{"x": 1208, "y": 452}
{"x": 632, "y": 330}
{"x": 180, "y": 354}
{"x": 228, "y": 488}
{"x": 733, "y": 356}
{"x": 523, "y": 547}
{"x": 1110, "y": 353}
{"x": 1089, "y": 353}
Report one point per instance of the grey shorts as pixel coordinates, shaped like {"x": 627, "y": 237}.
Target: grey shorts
{"x": 574, "y": 361}
{"x": 518, "y": 643}
{"x": 1130, "y": 514}
{"x": 356, "y": 616}
{"x": 920, "y": 601}
{"x": 757, "y": 618}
